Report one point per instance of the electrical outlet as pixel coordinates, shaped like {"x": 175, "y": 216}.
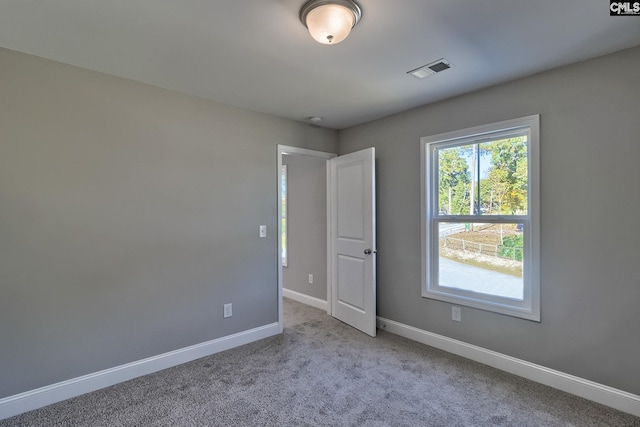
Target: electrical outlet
{"x": 456, "y": 314}
{"x": 228, "y": 310}
{"x": 311, "y": 279}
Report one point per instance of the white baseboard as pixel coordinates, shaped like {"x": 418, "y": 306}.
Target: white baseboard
{"x": 305, "y": 299}
{"x": 34, "y": 399}
{"x": 599, "y": 393}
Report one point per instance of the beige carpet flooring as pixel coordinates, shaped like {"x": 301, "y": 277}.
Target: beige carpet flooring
{"x": 321, "y": 372}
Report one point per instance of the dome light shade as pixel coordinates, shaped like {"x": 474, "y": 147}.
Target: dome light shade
{"x": 330, "y": 22}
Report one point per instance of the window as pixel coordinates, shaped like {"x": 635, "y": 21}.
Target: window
{"x": 283, "y": 213}
{"x": 480, "y": 239}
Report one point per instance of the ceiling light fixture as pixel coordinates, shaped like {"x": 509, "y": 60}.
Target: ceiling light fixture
{"x": 330, "y": 21}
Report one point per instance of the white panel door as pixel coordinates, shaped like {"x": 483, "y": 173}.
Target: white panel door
{"x": 353, "y": 240}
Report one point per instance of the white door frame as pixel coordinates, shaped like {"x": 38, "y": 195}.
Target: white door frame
{"x": 282, "y": 150}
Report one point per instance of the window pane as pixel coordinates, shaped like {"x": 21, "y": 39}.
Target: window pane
{"x": 454, "y": 181}
{"x": 504, "y": 176}
{"x": 484, "y": 178}
{"x": 482, "y": 258}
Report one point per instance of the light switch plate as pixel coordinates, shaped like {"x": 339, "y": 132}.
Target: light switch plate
{"x": 263, "y": 231}
{"x": 228, "y": 310}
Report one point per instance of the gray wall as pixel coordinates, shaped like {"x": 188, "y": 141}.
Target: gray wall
{"x": 307, "y": 226}
{"x": 590, "y": 240}
{"x": 128, "y": 216}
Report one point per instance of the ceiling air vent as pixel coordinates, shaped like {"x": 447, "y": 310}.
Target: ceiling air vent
{"x": 430, "y": 69}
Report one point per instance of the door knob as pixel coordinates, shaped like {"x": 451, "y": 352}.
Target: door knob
{"x": 369, "y": 251}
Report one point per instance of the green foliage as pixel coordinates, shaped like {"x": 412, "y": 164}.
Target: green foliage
{"x": 454, "y": 181}
{"x": 503, "y": 186}
{"x": 512, "y": 247}
{"x": 460, "y": 199}
{"x": 453, "y": 168}
{"x": 508, "y": 173}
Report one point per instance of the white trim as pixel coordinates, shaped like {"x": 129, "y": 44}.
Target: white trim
{"x": 304, "y": 299}
{"x": 34, "y": 399}
{"x": 599, "y": 393}
{"x": 329, "y": 226}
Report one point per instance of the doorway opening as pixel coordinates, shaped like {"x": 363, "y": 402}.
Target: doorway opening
{"x": 350, "y": 233}
{"x": 303, "y": 200}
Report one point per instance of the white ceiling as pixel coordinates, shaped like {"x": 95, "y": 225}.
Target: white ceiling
{"x": 256, "y": 54}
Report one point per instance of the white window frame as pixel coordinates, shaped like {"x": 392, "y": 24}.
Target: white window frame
{"x": 529, "y": 306}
